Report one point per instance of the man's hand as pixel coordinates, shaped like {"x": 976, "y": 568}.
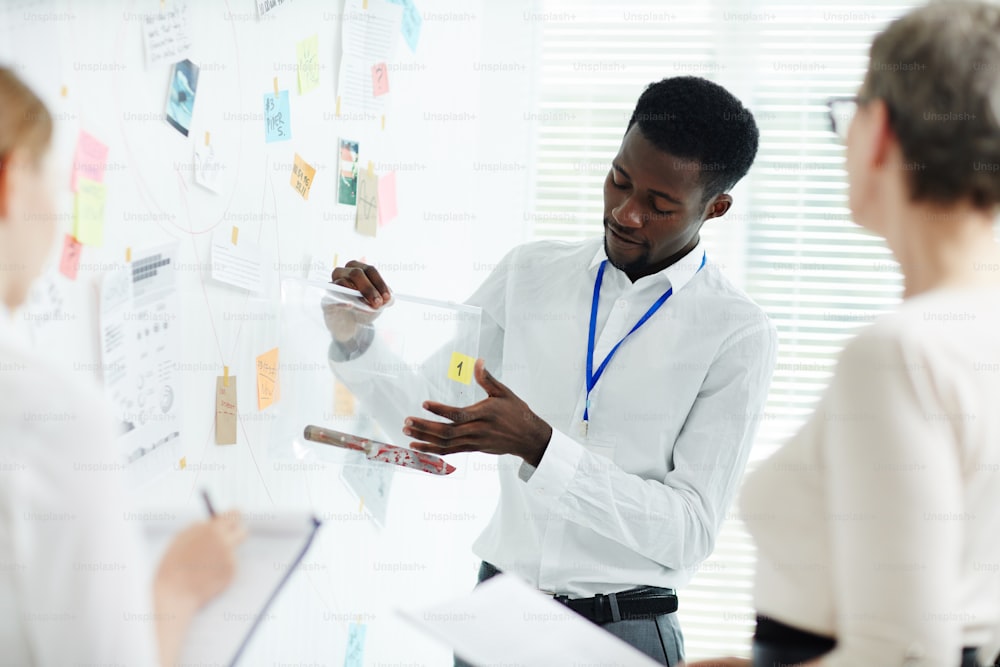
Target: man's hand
{"x": 364, "y": 278}
{"x": 344, "y": 320}
{"x": 500, "y": 424}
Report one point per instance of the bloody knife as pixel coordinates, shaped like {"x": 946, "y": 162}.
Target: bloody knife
{"x": 380, "y": 451}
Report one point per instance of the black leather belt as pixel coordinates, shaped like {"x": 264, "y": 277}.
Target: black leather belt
{"x": 631, "y": 605}
{"x": 776, "y": 644}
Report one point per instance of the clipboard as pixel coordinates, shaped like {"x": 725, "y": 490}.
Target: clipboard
{"x": 220, "y": 631}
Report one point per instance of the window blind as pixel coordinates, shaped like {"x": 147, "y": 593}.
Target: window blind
{"x": 818, "y": 276}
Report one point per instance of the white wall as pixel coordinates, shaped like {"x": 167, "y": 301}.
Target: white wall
{"x": 474, "y": 171}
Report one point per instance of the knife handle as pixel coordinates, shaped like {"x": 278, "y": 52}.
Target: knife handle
{"x": 328, "y": 437}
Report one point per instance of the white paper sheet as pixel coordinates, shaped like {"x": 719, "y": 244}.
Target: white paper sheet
{"x": 273, "y": 549}
{"x": 207, "y": 166}
{"x": 369, "y": 38}
{"x": 140, "y": 344}
{"x": 167, "y": 33}
{"x": 506, "y": 622}
{"x": 238, "y": 265}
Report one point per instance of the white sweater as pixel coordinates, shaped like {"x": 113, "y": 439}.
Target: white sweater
{"x": 879, "y": 523}
{"x": 74, "y": 589}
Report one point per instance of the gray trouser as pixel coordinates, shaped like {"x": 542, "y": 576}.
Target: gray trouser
{"x": 660, "y": 638}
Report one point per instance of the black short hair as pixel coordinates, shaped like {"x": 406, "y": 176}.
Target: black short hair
{"x": 696, "y": 119}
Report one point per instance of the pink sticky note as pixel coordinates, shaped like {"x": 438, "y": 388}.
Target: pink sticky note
{"x": 89, "y": 160}
{"x": 70, "y": 260}
{"x": 380, "y": 79}
{"x": 386, "y": 198}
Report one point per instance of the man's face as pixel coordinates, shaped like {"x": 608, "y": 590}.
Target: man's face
{"x": 653, "y": 207}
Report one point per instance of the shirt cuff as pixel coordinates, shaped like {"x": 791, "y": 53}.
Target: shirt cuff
{"x": 349, "y": 350}
{"x": 557, "y": 468}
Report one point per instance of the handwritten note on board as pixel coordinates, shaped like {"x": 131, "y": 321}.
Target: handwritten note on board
{"x": 277, "y": 117}
{"x": 354, "y": 656}
{"x": 412, "y": 22}
{"x": 267, "y": 379}
{"x": 167, "y": 33}
{"x": 308, "y": 56}
{"x": 89, "y": 160}
{"x": 302, "y": 176}
{"x": 225, "y": 410}
{"x": 88, "y": 212}
{"x": 380, "y": 79}
{"x": 366, "y": 221}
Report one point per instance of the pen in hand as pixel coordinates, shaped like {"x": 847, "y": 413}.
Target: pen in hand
{"x": 208, "y": 503}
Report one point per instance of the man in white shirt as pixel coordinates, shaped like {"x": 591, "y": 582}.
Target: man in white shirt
{"x": 633, "y": 376}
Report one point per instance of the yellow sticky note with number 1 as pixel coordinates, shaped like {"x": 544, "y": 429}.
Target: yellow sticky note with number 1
{"x": 461, "y": 368}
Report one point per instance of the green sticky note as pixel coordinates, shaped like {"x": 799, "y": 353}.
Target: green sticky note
{"x": 88, "y": 212}
{"x": 308, "y": 55}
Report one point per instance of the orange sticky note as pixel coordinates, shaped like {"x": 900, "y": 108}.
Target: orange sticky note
{"x": 386, "y": 198}
{"x": 267, "y": 379}
{"x": 343, "y": 401}
{"x": 302, "y": 176}
{"x": 225, "y": 412}
{"x": 460, "y": 368}
{"x": 70, "y": 260}
{"x": 380, "y": 79}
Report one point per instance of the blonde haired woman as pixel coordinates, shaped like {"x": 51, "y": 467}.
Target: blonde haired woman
{"x": 878, "y": 525}
{"x": 72, "y": 589}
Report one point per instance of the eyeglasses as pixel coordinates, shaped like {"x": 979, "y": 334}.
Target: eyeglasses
{"x": 842, "y": 110}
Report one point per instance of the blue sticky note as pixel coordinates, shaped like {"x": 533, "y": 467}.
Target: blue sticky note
{"x": 412, "y": 21}
{"x": 277, "y": 118}
{"x": 355, "y": 653}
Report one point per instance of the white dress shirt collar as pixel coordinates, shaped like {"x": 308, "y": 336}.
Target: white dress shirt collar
{"x": 677, "y": 275}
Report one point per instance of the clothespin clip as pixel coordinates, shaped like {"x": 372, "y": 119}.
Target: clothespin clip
{"x": 236, "y": 235}
{"x": 276, "y": 87}
{"x": 128, "y": 255}
{"x": 225, "y": 376}
{"x": 207, "y": 135}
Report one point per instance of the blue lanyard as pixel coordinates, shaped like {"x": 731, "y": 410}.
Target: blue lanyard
{"x": 593, "y": 377}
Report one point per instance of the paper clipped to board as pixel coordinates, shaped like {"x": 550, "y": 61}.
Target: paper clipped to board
{"x": 236, "y": 264}
{"x": 368, "y": 37}
{"x": 225, "y": 410}
{"x": 167, "y": 33}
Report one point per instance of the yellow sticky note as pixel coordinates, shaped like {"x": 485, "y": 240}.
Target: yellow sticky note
{"x": 308, "y": 56}
{"x": 343, "y": 401}
{"x": 302, "y": 176}
{"x": 88, "y": 212}
{"x": 460, "y": 368}
{"x": 267, "y": 379}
